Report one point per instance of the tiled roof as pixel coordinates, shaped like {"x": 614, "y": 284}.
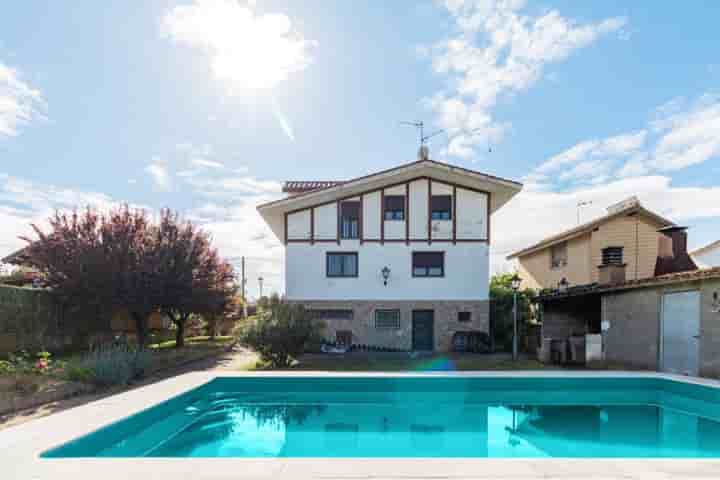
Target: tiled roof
{"x": 322, "y": 185}
{"x": 307, "y": 186}
{"x": 594, "y": 288}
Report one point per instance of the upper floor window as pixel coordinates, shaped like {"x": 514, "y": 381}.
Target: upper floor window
{"x": 558, "y": 255}
{"x": 612, "y": 256}
{"x": 464, "y": 316}
{"x": 394, "y": 207}
{"x": 428, "y": 264}
{"x": 349, "y": 219}
{"x": 441, "y": 207}
{"x": 342, "y": 264}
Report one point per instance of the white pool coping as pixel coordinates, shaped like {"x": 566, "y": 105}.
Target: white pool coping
{"x": 20, "y": 446}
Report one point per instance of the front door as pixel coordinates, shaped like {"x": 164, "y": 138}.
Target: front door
{"x": 422, "y": 330}
{"x": 681, "y": 332}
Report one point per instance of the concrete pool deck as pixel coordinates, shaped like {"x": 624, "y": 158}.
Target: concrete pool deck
{"x": 20, "y": 446}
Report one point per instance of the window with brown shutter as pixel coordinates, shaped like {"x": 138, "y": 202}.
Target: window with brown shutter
{"x": 612, "y": 256}
{"x": 428, "y": 264}
{"x": 349, "y": 219}
{"x": 558, "y": 255}
{"x": 394, "y": 208}
{"x": 441, "y": 207}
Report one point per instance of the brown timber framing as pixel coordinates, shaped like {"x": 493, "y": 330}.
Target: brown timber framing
{"x": 429, "y": 211}
{"x": 286, "y": 232}
{"x": 382, "y": 215}
{"x": 339, "y": 221}
{"x": 407, "y": 213}
{"x": 361, "y": 219}
{"x": 312, "y": 225}
{"x": 408, "y": 240}
{"x": 487, "y": 229}
{"x": 454, "y": 214}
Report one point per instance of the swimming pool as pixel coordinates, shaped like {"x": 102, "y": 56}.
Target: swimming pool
{"x": 469, "y": 417}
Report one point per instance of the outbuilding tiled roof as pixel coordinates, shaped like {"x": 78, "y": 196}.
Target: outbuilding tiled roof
{"x": 594, "y": 288}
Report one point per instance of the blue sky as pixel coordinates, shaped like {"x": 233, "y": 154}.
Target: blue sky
{"x": 207, "y": 106}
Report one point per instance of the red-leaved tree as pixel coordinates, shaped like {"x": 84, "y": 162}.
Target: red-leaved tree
{"x": 193, "y": 277}
{"x": 122, "y": 259}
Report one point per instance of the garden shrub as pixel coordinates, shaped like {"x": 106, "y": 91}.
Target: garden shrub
{"x": 77, "y": 373}
{"x": 115, "y": 364}
{"x": 281, "y": 334}
{"x": 23, "y": 363}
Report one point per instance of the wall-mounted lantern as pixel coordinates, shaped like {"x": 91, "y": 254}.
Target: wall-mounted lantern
{"x": 715, "y": 303}
{"x": 385, "y": 275}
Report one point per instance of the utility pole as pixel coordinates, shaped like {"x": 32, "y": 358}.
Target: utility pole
{"x": 244, "y": 282}
{"x": 260, "y": 282}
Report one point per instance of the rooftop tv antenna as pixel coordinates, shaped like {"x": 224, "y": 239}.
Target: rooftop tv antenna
{"x": 423, "y": 153}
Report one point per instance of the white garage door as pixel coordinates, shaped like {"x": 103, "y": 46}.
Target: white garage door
{"x": 681, "y": 332}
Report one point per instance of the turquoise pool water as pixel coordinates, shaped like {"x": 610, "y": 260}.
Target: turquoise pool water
{"x": 419, "y": 417}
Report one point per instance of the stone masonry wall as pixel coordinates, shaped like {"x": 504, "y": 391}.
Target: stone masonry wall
{"x": 634, "y": 335}
{"x": 364, "y": 332}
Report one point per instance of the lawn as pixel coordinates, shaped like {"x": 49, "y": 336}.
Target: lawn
{"x": 397, "y": 362}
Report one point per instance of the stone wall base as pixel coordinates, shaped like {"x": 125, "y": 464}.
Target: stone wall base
{"x": 364, "y": 331}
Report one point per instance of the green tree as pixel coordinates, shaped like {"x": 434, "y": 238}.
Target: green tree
{"x": 281, "y": 334}
{"x": 501, "y": 310}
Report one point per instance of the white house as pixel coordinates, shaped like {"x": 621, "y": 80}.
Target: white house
{"x": 396, "y": 259}
{"x": 707, "y": 256}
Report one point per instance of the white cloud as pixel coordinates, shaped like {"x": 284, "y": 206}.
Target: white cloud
{"x": 159, "y": 174}
{"x": 232, "y": 186}
{"x": 247, "y": 50}
{"x": 681, "y": 134}
{"x": 593, "y": 160}
{"x": 498, "y": 50}
{"x": 20, "y": 103}
{"x": 689, "y": 136}
{"x": 204, "y": 163}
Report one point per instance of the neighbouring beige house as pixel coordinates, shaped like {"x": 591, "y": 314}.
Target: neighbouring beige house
{"x": 629, "y": 235}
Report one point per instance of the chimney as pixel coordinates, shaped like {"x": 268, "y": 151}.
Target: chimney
{"x": 423, "y": 153}
{"x": 673, "y": 256}
{"x": 611, "y": 274}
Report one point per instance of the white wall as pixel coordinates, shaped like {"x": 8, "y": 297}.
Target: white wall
{"x": 708, "y": 259}
{"x": 418, "y": 209}
{"x": 326, "y": 222}
{"x": 466, "y": 272}
{"x": 298, "y": 225}
{"x": 371, "y": 215}
{"x": 471, "y": 214}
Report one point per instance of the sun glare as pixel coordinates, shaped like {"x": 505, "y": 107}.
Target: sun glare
{"x": 248, "y": 50}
